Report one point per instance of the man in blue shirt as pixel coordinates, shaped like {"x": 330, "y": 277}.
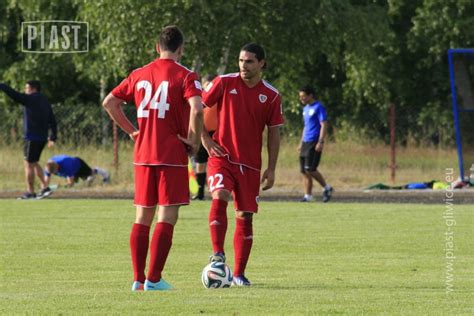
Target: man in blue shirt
{"x": 72, "y": 168}
{"x": 38, "y": 118}
{"x": 312, "y": 143}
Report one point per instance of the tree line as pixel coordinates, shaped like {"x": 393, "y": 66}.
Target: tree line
{"x": 361, "y": 56}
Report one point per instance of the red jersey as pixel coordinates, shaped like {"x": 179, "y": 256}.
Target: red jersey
{"x": 160, "y": 91}
{"x": 242, "y": 115}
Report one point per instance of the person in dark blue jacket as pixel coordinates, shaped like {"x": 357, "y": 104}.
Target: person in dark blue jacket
{"x": 38, "y": 120}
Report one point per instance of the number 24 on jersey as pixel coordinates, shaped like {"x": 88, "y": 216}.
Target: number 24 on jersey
{"x": 158, "y": 102}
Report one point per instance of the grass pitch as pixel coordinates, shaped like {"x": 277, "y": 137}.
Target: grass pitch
{"x": 72, "y": 257}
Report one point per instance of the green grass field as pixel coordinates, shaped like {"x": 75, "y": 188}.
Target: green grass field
{"x": 72, "y": 257}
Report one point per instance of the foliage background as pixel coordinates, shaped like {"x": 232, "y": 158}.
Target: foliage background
{"x": 360, "y": 55}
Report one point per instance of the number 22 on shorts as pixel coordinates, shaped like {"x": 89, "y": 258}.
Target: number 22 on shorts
{"x": 215, "y": 181}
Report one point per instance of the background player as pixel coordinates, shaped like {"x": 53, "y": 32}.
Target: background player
{"x": 210, "y": 123}
{"x": 38, "y": 118}
{"x": 169, "y": 113}
{"x": 312, "y": 143}
{"x": 245, "y": 105}
{"x": 73, "y": 169}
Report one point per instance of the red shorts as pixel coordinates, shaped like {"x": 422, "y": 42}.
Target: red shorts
{"x": 243, "y": 182}
{"x": 161, "y": 185}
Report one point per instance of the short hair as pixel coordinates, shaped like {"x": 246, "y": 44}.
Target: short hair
{"x": 35, "y": 84}
{"x": 309, "y": 90}
{"x": 171, "y": 38}
{"x": 51, "y": 167}
{"x": 257, "y": 50}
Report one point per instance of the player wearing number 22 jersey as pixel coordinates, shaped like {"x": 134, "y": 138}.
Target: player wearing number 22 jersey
{"x": 243, "y": 114}
{"x": 246, "y": 104}
{"x": 167, "y": 97}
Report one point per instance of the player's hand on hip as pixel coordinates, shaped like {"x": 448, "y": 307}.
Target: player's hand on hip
{"x": 213, "y": 148}
{"x": 134, "y": 135}
{"x": 268, "y": 179}
{"x": 50, "y": 143}
{"x": 191, "y": 147}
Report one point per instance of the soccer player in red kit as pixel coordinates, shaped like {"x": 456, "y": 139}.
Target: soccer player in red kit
{"x": 245, "y": 105}
{"x": 169, "y": 114}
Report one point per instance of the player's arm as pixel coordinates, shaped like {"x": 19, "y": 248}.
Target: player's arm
{"x": 195, "y": 125}
{"x": 273, "y": 147}
{"x": 322, "y": 136}
{"x": 300, "y": 145}
{"x": 213, "y": 149}
{"x": 53, "y": 129}
{"x": 113, "y": 106}
{"x": 14, "y": 95}
{"x": 70, "y": 181}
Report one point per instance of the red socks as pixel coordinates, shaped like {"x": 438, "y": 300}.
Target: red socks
{"x": 159, "y": 249}
{"x": 139, "y": 238}
{"x": 243, "y": 238}
{"x": 218, "y": 224}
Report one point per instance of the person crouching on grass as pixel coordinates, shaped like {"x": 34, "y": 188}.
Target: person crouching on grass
{"x": 73, "y": 169}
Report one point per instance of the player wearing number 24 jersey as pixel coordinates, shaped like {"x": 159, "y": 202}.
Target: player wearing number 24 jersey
{"x": 169, "y": 113}
{"x": 151, "y": 88}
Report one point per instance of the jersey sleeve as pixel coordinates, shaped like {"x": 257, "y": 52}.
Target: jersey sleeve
{"x": 212, "y": 93}
{"x": 192, "y": 86}
{"x": 14, "y": 95}
{"x": 322, "y": 116}
{"x": 276, "y": 112}
{"x": 124, "y": 90}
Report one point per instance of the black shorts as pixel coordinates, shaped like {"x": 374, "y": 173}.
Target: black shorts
{"x": 202, "y": 155}
{"x": 84, "y": 171}
{"x": 32, "y": 150}
{"x": 309, "y": 157}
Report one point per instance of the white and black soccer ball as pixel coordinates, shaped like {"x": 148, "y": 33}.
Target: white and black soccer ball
{"x": 216, "y": 275}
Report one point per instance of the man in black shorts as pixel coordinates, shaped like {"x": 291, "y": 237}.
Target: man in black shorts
{"x": 38, "y": 118}
{"x": 312, "y": 143}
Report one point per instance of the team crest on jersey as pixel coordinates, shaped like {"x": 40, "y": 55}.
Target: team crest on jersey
{"x": 198, "y": 85}
{"x": 262, "y": 98}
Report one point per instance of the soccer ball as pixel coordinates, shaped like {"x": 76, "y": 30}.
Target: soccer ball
{"x": 216, "y": 275}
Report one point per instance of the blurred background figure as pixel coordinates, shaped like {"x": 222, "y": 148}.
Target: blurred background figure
{"x": 38, "y": 118}
{"x": 312, "y": 143}
{"x": 73, "y": 169}
{"x": 200, "y": 159}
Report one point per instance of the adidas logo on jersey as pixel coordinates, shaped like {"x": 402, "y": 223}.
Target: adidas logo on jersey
{"x": 233, "y": 91}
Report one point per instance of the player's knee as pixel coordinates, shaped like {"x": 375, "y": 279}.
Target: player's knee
{"x": 244, "y": 215}
{"x": 221, "y": 195}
